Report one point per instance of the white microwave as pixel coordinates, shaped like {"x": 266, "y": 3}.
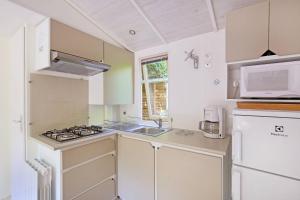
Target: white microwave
{"x": 276, "y": 80}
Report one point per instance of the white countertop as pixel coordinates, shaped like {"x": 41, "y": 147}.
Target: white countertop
{"x": 192, "y": 140}
{"x": 54, "y": 145}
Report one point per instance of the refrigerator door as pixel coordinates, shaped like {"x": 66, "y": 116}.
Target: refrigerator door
{"x": 248, "y": 184}
{"x": 270, "y": 144}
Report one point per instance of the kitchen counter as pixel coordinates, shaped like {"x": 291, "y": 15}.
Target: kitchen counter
{"x": 54, "y": 145}
{"x": 186, "y": 139}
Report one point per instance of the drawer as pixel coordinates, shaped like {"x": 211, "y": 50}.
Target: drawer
{"x": 103, "y": 191}
{"x": 81, "y": 178}
{"x": 81, "y": 154}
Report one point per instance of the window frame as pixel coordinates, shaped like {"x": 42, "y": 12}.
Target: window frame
{"x": 146, "y": 81}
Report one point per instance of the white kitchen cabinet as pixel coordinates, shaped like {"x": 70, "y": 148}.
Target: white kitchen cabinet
{"x": 188, "y": 175}
{"x": 155, "y": 171}
{"x": 96, "y": 160}
{"x": 69, "y": 40}
{"x": 96, "y": 89}
{"x": 247, "y": 32}
{"x": 285, "y": 27}
{"x": 83, "y": 172}
{"x": 104, "y": 191}
{"x": 269, "y": 25}
{"x": 118, "y": 81}
{"x": 135, "y": 169}
{"x": 114, "y": 87}
{"x": 53, "y": 35}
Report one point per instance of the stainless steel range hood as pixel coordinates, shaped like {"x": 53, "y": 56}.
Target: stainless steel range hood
{"x": 66, "y": 63}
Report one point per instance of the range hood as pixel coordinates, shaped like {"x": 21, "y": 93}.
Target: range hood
{"x": 66, "y": 63}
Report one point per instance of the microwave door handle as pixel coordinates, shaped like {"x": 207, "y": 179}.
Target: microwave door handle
{"x": 237, "y": 146}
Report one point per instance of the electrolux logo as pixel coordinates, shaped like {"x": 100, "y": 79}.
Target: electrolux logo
{"x": 279, "y": 131}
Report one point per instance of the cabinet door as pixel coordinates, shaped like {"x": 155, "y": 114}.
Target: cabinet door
{"x": 135, "y": 169}
{"x": 285, "y": 27}
{"x": 186, "y": 175}
{"x": 248, "y": 184}
{"x": 96, "y": 89}
{"x": 69, "y": 40}
{"x": 118, "y": 81}
{"x": 247, "y": 32}
{"x": 42, "y": 46}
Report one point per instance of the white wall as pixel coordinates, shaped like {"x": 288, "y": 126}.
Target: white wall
{"x": 190, "y": 90}
{"x": 4, "y": 119}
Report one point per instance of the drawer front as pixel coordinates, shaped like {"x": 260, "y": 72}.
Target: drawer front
{"x": 81, "y": 154}
{"x": 103, "y": 191}
{"x": 81, "y": 178}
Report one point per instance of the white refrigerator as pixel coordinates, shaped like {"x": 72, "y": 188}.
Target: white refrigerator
{"x": 266, "y": 155}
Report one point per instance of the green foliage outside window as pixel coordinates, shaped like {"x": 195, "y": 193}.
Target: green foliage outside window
{"x": 157, "y": 69}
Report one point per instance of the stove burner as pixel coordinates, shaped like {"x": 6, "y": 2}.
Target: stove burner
{"x": 73, "y": 133}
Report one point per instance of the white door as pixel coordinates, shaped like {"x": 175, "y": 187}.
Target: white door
{"x": 248, "y": 184}
{"x": 22, "y": 174}
{"x": 270, "y": 144}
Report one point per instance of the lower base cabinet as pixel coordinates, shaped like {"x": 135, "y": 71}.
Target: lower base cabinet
{"x": 88, "y": 171}
{"x": 87, "y": 176}
{"x": 186, "y": 175}
{"x": 102, "y": 191}
{"x": 135, "y": 169}
{"x": 154, "y": 171}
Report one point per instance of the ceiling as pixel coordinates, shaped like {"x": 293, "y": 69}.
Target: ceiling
{"x": 155, "y": 22}
{"x": 17, "y": 16}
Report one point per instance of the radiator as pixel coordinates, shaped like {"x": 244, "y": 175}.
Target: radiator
{"x": 41, "y": 183}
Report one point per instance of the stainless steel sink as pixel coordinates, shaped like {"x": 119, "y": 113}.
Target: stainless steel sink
{"x": 124, "y": 126}
{"x": 151, "y": 131}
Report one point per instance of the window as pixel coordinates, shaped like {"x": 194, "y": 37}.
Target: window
{"x": 155, "y": 88}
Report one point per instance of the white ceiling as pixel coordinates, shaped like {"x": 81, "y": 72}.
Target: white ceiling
{"x": 156, "y": 22}
{"x": 13, "y": 17}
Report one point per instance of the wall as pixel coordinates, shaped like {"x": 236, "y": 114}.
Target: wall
{"x": 57, "y": 102}
{"x": 96, "y": 114}
{"x": 190, "y": 90}
{"x": 4, "y": 119}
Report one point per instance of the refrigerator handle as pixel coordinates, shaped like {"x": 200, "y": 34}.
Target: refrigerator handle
{"x": 236, "y": 184}
{"x": 237, "y": 146}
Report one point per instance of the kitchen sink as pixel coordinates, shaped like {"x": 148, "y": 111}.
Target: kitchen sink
{"x": 151, "y": 131}
{"x": 124, "y": 126}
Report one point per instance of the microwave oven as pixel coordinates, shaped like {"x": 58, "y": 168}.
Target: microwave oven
{"x": 276, "y": 80}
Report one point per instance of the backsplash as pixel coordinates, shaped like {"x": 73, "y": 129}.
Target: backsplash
{"x": 57, "y": 102}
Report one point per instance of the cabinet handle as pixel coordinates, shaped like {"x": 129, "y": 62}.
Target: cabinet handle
{"x": 20, "y": 122}
{"x": 237, "y": 146}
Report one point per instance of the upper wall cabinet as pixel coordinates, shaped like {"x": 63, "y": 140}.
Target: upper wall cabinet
{"x": 285, "y": 27}
{"x": 247, "y": 32}
{"x": 69, "y": 40}
{"x": 96, "y": 89}
{"x": 118, "y": 81}
{"x": 272, "y": 25}
{"x": 53, "y": 35}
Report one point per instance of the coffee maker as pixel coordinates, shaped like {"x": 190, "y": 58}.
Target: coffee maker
{"x": 213, "y": 124}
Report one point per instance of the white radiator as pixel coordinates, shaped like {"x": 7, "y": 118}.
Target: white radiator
{"x": 41, "y": 183}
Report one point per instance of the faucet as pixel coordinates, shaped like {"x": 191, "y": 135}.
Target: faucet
{"x": 158, "y": 122}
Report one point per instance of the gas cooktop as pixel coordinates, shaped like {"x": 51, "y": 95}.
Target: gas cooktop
{"x": 74, "y": 132}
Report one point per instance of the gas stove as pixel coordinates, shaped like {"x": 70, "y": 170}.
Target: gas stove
{"x": 74, "y": 132}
